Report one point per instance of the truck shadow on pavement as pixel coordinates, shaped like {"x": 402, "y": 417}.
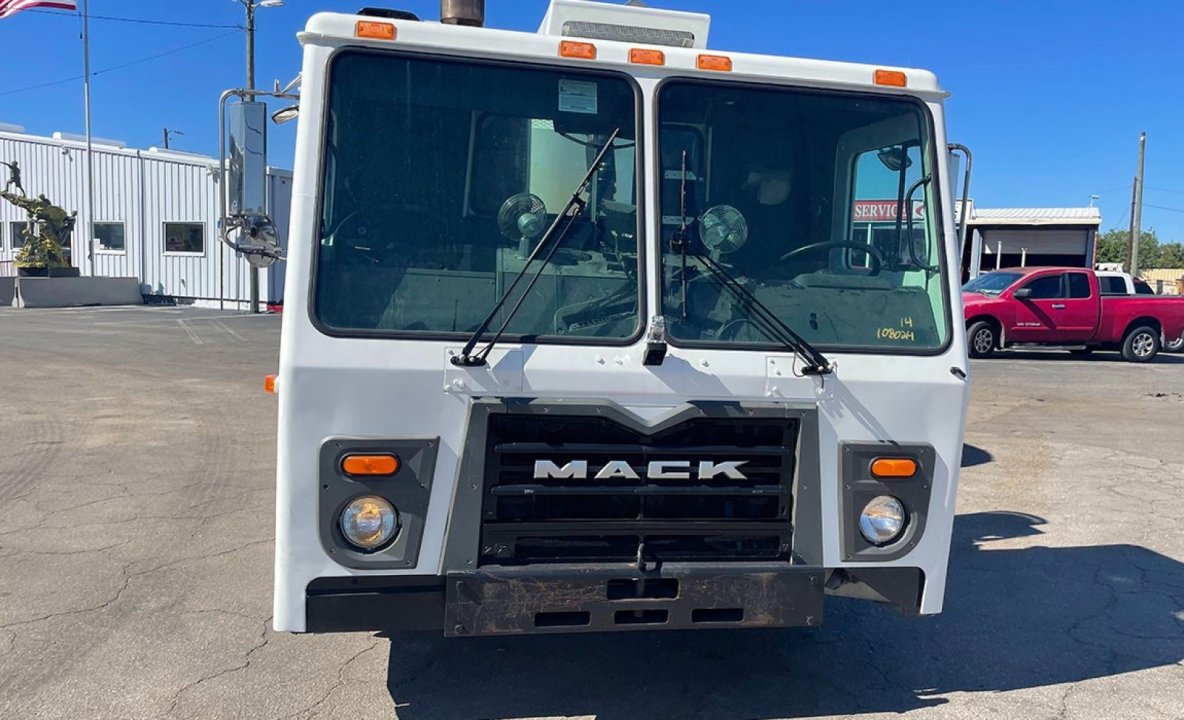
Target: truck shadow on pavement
{"x": 1014, "y": 619}
{"x": 973, "y": 456}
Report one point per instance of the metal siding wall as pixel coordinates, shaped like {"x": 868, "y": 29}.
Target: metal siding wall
{"x": 279, "y": 206}
{"x": 185, "y": 192}
{"x": 117, "y": 199}
{"x": 143, "y": 190}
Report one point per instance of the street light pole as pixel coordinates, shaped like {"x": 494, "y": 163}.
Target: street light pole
{"x": 250, "y": 6}
{"x": 168, "y": 134}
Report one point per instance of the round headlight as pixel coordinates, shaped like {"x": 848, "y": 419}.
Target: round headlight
{"x": 882, "y": 520}
{"x": 369, "y": 522}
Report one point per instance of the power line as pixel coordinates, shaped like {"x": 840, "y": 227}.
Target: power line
{"x": 1166, "y": 190}
{"x": 1161, "y": 207}
{"x": 141, "y": 21}
{"x": 121, "y": 66}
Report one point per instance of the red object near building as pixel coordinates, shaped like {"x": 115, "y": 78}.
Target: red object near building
{"x": 1063, "y": 307}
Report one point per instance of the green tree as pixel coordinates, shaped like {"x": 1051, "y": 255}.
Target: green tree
{"x": 1113, "y": 247}
{"x": 1171, "y": 255}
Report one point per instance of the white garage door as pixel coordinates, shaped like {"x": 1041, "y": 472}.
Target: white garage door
{"x": 1035, "y": 241}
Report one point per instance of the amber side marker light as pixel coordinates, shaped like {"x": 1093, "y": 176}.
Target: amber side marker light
{"x": 577, "y": 50}
{"x": 643, "y": 56}
{"x": 269, "y": 384}
{"x": 894, "y": 467}
{"x": 718, "y": 63}
{"x": 370, "y": 465}
{"x": 891, "y": 78}
{"x": 374, "y": 30}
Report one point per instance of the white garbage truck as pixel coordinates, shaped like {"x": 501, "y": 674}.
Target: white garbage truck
{"x": 584, "y": 329}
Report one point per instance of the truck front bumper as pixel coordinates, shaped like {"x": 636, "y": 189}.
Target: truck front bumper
{"x": 567, "y": 599}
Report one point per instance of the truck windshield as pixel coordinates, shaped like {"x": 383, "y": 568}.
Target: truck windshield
{"x": 821, "y": 204}
{"x": 439, "y": 177}
{"x": 991, "y": 283}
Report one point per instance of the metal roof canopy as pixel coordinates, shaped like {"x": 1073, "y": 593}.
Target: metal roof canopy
{"x": 1029, "y": 217}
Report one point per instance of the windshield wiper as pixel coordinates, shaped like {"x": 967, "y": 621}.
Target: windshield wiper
{"x": 766, "y": 319}
{"x": 773, "y": 326}
{"x": 566, "y": 218}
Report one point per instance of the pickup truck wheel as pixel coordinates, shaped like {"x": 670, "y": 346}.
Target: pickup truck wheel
{"x": 981, "y": 340}
{"x": 1175, "y": 346}
{"x": 1141, "y": 344}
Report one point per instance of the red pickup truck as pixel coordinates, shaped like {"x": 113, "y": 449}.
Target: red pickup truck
{"x": 1059, "y": 306}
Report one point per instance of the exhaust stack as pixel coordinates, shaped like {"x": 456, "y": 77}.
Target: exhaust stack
{"x": 463, "y": 12}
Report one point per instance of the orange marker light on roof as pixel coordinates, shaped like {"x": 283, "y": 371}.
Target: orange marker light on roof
{"x": 370, "y": 464}
{"x": 718, "y": 63}
{"x": 577, "y": 50}
{"x": 269, "y": 384}
{"x": 891, "y": 78}
{"x": 646, "y": 56}
{"x": 894, "y": 467}
{"x": 375, "y": 30}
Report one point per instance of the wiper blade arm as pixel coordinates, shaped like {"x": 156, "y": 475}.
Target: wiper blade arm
{"x": 775, "y": 327}
{"x": 566, "y": 218}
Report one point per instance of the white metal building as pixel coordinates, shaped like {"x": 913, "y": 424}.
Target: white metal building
{"x": 1018, "y": 237}
{"x": 156, "y": 216}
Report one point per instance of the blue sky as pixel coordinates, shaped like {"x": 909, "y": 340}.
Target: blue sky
{"x": 1050, "y": 95}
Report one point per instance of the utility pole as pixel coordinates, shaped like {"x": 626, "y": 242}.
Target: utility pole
{"x": 1130, "y": 232}
{"x": 169, "y": 133}
{"x": 1137, "y": 209}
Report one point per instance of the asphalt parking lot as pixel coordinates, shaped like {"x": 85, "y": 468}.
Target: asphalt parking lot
{"x": 136, "y": 516}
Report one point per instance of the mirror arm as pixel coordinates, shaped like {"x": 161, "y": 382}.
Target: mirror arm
{"x": 962, "y": 226}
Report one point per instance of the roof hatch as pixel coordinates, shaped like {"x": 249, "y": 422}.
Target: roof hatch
{"x": 626, "y": 23}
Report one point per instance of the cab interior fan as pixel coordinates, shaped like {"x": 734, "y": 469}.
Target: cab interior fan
{"x": 723, "y": 229}
{"x": 523, "y": 217}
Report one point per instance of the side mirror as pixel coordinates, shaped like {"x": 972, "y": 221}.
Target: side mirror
{"x": 260, "y": 242}
{"x": 247, "y": 175}
{"x": 1022, "y": 294}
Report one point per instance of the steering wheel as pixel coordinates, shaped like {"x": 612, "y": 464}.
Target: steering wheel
{"x": 375, "y": 233}
{"x": 877, "y": 259}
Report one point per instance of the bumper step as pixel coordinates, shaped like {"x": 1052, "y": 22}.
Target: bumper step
{"x": 619, "y": 598}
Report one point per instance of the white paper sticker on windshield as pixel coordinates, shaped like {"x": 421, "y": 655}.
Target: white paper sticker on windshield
{"x": 577, "y": 96}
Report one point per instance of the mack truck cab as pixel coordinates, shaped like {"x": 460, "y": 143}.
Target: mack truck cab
{"x": 579, "y": 335}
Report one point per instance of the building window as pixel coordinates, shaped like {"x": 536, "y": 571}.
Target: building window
{"x": 110, "y": 236}
{"x": 16, "y": 231}
{"x": 184, "y": 238}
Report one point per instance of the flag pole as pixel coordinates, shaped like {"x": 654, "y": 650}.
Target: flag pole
{"x": 90, "y": 174}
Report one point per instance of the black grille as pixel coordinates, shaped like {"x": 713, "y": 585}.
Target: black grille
{"x": 530, "y": 520}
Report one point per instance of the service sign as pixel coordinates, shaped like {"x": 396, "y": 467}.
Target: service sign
{"x": 872, "y": 211}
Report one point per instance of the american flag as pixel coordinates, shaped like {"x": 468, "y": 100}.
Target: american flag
{"x": 8, "y": 7}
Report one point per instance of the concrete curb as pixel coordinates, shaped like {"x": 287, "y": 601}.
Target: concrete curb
{"x": 35, "y": 292}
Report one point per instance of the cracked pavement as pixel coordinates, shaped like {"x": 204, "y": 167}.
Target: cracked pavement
{"x": 136, "y": 524}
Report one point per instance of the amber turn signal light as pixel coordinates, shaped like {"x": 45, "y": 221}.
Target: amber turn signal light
{"x": 370, "y": 465}
{"x": 718, "y": 63}
{"x": 269, "y": 384}
{"x": 374, "y": 30}
{"x": 644, "y": 56}
{"x": 891, "y": 78}
{"x": 894, "y": 467}
{"x": 578, "y": 50}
